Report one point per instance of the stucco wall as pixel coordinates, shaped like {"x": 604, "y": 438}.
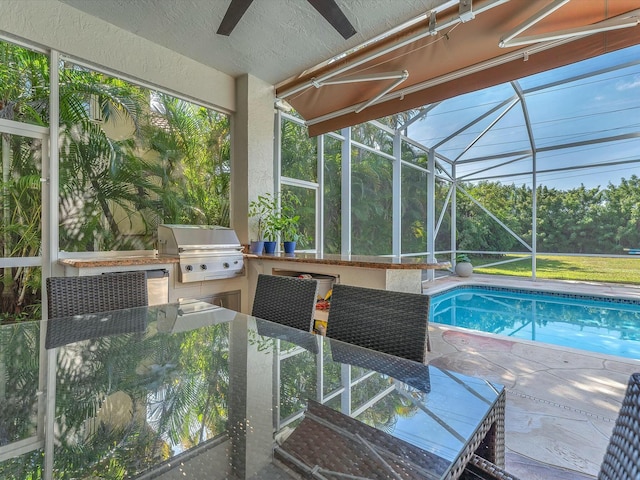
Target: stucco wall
{"x": 252, "y": 167}
{"x": 55, "y": 25}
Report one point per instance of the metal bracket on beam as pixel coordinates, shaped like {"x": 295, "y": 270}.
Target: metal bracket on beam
{"x": 466, "y": 11}
{"x": 432, "y": 24}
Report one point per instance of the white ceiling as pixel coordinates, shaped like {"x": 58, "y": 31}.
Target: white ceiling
{"x": 274, "y": 40}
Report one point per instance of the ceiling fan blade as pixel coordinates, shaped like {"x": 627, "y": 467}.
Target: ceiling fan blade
{"x": 232, "y": 17}
{"x": 332, "y": 13}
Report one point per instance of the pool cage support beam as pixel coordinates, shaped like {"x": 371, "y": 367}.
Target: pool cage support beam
{"x": 500, "y": 222}
{"x": 345, "y": 211}
{"x": 320, "y": 198}
{"x": 277, "y": 155}
{"x": 454, "y": 214}
{"x": 396, "y": 204}
{"x": 475, "y": 121}
{"x": 487, "y": 129}
{"x": 534, "y": 196}
{"x": 445, "y": 204}
{"x": 431, "y": 211}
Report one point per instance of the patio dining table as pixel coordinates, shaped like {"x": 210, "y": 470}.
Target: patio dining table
{"x": 192, "y": 390}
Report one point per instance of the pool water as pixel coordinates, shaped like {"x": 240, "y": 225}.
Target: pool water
{"x": 597, "y": 324}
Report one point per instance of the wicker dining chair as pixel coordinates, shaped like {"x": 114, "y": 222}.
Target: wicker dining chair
{"x": 479, "y": 468}
{"x": 387, "y": 321}
{"x": 286, "y": 300}
{"x": 68, "y": 296}
{"x": 621, "y": 457}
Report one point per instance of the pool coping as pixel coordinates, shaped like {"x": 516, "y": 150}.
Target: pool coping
{"x": 606, "y": 291}
{"x": 551, "y": 293}
{"x": 436, "y": 328}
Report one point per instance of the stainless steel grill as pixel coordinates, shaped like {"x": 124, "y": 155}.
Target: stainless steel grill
{"x": 206, "y": 252}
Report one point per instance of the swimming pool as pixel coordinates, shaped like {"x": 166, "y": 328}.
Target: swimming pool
{"x": 599, "y": 324}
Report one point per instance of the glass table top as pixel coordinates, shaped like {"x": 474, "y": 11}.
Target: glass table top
{"x": 212, "y": 393}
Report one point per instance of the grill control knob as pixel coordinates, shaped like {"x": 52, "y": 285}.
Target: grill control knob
{"x": 225, "y": 265}
{"x": 203, "y": 267}
{"x": 188, "y": 268}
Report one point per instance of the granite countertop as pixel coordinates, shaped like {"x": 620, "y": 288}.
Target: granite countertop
{"x": 362, "y": 261}
{"x": 122, "y": 261}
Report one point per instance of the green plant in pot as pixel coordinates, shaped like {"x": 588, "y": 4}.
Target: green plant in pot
{"x": 271, "y": 208}
{"x": 276, "y": 217}
{"x": 263, "y": 211}
{"x": 289, "y": 232}
{"x": 288, "y": 221}
{"x": 463, "y": 267}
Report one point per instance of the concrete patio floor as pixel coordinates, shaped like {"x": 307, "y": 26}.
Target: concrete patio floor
{"x": 562, "y": 403}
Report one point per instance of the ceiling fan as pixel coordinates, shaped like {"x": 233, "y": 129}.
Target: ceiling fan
{"x": 327, "y": 8}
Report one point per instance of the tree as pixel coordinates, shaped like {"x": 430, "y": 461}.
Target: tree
{"x": 114, "y": 189}
{"x": 24, "y": 91}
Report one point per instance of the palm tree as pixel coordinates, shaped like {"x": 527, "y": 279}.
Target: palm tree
{"x": 24, "y": 91}
{"x": 114, "y": 190}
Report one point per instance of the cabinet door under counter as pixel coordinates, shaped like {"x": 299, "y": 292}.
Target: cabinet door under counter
{"x": 230, "y": 300}
{"x": 158, "y": 271}
{"x": 163, "y": 285}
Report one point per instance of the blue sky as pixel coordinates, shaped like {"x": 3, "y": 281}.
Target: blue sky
{"x": 586, "y": 108}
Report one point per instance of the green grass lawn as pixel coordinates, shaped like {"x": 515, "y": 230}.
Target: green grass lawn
{"x": 596, "y": 269}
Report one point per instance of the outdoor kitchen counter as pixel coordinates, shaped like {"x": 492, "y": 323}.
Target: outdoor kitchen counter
{"x": 362, "y": 261}
{"x": 163, "y": 284}
{"x": 385, "y": 273}
{"x": 123, "y": 261}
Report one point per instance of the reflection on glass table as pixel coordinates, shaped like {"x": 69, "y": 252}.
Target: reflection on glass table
{"x": 430, "y": 418}
{"x": 163, "y": 391}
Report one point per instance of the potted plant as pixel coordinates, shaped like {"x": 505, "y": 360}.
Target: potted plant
{"x": 463, "y": 267}
{"x": 276, "y": 218}
{"x": 262, "y": 209}
{"x": 289, "y": 232}
{"x": 271, "y": 210}
{"x": 287, "y": 222}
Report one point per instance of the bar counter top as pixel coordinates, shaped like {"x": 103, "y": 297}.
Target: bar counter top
{"x": 117, "y": 261}
{"x": 361, "y": 261}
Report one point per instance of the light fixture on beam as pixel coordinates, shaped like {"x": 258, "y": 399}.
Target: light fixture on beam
{"x": 605, "y": 26}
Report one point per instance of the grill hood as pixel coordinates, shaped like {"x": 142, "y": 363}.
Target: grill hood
{"x": 176, "y": 239}
{"x": 206, "y": 252}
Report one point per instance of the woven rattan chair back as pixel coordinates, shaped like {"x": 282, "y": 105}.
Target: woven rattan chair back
{"x": 391, "y": 322}
{"x": 286, "y": 300}
{"x": 68, "y": 296}
{"x": 621, "y": 458}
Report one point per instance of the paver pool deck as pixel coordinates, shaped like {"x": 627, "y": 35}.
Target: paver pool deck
{"x": 562, "y": 403}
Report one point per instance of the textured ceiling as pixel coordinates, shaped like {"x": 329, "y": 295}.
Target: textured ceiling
{"x": 274, "y": 40}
